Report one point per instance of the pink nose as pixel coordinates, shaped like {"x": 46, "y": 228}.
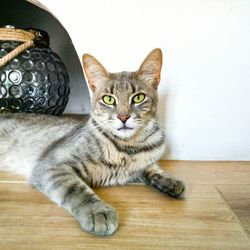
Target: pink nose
{"x": 123, "y": 118}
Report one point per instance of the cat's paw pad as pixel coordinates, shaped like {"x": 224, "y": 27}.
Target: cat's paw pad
{"x": 101, "y": 220}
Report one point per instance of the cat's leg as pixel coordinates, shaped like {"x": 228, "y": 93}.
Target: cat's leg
{"x": 156, "y": 177}
{"x": 65, "y": 185}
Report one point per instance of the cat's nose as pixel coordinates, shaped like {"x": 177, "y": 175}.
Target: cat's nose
{"x": 123, "y": 118}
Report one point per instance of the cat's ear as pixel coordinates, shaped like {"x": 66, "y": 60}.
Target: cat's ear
{"x": 94, "y": 71}
{"x": 150, "y": 69}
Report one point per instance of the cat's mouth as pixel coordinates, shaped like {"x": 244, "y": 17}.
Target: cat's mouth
{"x": 125, "y": 132}
{"x": 124, "y": 128}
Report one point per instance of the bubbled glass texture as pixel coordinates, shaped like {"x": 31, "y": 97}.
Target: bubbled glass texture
{"x": 35, "y": 81}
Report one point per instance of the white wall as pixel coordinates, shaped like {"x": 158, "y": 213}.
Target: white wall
{"x": 205, "y": 87}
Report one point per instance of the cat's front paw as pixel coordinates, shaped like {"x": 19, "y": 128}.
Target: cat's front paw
{"x": 172, "y": 187}
{"x": 100, "y": 219}
{"x": 177, "y": 190}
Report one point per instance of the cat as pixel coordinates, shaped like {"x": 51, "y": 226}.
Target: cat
{"x": 118, "y": 144}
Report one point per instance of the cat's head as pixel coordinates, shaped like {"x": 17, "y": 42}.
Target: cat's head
{"x": 124, "y": 102}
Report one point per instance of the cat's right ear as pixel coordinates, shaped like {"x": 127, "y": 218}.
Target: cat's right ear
{"x": 94, "y": 71}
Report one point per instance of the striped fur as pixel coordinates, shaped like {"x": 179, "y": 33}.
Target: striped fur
{"x": 65, "y": 158}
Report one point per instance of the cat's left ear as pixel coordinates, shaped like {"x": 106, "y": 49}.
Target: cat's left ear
{"x": 94, "y": 71}
{"x": 150, "y": 69}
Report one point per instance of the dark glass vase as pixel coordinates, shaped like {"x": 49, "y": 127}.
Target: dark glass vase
{"x": 35, "y": 81}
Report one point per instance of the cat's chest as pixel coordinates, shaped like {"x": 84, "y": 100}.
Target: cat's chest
{"x": 129, "y": 158}
{"x": 118, "y": 162}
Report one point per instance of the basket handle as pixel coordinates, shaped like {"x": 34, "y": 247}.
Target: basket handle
{"x": 9, "y": 34}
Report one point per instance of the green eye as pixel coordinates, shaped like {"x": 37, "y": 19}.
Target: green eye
{"x": 138, "y": 98}
{"x": 110, "y": 100}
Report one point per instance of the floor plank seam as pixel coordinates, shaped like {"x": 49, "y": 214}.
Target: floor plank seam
{"x": 230, "y": 208}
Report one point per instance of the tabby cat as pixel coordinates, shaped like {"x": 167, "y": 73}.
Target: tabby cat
{"x": 119, "y": 144}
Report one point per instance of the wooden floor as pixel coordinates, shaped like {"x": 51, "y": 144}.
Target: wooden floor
{"x": 215, "y": 214}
